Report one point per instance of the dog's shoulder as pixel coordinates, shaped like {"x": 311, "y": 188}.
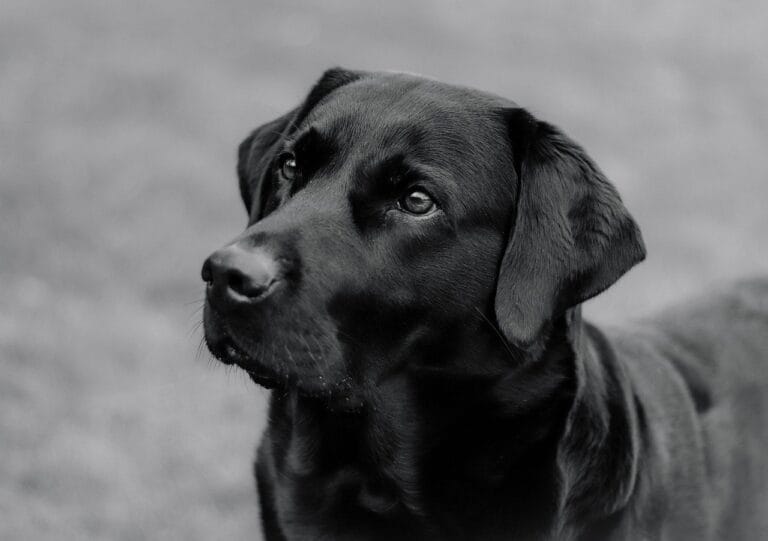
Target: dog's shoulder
{"x": 699, "y": 375}
{"x": 715, "y": 344}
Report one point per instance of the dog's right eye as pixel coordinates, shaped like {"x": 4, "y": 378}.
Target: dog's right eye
{"x": 288, "y": 166}
{"x": 417, "y": 202}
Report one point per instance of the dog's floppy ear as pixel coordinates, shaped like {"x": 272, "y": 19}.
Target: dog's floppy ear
{"x": 257, "y": 152}
{"x": 571, "y": 238}
{"x": 254, "y": 156}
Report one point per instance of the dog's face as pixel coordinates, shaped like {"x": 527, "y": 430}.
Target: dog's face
{"x": 390, "y": 221}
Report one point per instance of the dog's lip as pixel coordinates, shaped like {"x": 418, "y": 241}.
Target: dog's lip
{"x": 223, "y": 346}
{"x": 226, "y": 350}
{"x": 230, "y": 353}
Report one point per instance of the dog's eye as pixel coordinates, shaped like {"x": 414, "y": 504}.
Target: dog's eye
{"x": 417, "y": 202}
{"x": 288, "y": 166}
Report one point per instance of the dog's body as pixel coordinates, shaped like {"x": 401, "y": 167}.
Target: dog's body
{"x": 665, "y": 439}
{"x": 699, "y": 376}
{"x": 434, "y": 378}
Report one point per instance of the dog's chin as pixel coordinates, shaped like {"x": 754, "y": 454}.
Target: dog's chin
{"x": 330, "y": 387}
{"x": 337, "y": 397}
{"x": 228, "y": 352}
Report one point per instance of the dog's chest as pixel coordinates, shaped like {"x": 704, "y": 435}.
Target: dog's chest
{"x": 344, "y": 504}
{"x": 331, "y": 481}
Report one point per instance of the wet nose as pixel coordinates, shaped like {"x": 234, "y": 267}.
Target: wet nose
{"x": 237, "y": 274}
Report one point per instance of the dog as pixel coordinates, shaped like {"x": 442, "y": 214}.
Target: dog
{"x": 409, "y": 285}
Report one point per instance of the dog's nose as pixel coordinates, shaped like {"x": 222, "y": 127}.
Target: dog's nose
{"x": 238, "y": 274}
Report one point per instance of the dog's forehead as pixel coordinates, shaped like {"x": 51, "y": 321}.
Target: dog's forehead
{"x": 458, "y": 134}
{"x": 389, "y": 108}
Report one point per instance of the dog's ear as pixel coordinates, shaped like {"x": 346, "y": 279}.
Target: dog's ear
{"x": 571, "y": 237}
{"x": 256, "y": 153}
{"x": 254, "y": 157}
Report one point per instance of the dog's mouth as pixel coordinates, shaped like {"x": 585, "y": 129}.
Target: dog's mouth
{"x": 224, "y": 348}
{"x": 304, "y": 371}
{"x": 226, "y": 351}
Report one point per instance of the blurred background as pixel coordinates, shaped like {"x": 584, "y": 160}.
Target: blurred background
{"x": 119, "y": 123}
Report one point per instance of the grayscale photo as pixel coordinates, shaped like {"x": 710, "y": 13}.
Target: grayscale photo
{"x": 383, "y": 271}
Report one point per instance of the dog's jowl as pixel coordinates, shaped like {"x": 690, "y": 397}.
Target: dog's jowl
{"x": 409, "y": 285}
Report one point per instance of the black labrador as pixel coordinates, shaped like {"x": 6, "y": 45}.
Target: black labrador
{"x": 409, "y": 285}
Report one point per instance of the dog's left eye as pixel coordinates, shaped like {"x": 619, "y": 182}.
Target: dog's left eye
{"x": 288, "y": 166}
{"x": 417, "y": 202}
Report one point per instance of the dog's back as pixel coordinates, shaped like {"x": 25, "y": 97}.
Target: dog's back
{"x": 701, "y": 373}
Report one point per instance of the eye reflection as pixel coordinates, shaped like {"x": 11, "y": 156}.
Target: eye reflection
{"x": 417, "y": 202}
{"x": 289, "y": 168}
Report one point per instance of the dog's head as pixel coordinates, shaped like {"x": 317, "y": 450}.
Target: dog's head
{"x": 394, "y": 223}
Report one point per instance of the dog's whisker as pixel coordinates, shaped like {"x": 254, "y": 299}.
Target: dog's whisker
{"x": 315, "y": 362}
{"x": 197, "y": 310}
{"x": 200, "y": 348}
{"x": 195, "y": 327}
{"x": 290, "y": 356}
{"x": 321, "y": 358}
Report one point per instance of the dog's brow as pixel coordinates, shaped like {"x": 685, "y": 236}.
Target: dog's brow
{"x": 307, "y": 139}
{"x": 398, "y": 170}
{"x": 392, "y": 169}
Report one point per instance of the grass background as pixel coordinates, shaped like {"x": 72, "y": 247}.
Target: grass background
{"x": 118, "y": 128}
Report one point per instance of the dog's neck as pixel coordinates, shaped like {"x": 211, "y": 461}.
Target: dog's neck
{"x": 603, "y": 440}
{"x": 552, "y": 437}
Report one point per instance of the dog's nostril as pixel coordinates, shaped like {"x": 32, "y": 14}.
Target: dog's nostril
{"x": 206, "y": 273}
{"x": 251, "y": 285}
{"x": 236, "y": 274}
{"x": 236, "y": 282}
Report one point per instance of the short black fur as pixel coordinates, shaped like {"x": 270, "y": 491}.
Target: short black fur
{"x": 433, "y": 378}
